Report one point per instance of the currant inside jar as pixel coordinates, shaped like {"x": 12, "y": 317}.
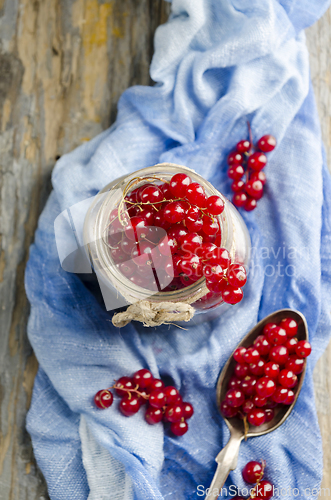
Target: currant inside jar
{"x": 165, "y": 234}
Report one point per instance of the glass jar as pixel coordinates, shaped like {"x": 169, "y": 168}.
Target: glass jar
{"x": 103, "y": 245}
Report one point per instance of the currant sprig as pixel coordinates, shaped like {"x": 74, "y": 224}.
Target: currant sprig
{"x": 164, "y": 403}
{"x": 247, "y": 162}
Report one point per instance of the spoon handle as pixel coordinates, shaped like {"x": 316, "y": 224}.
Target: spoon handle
{"x": 227, "y": 461}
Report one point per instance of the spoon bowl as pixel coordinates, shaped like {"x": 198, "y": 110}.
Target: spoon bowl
{"x": 228, "y": 457}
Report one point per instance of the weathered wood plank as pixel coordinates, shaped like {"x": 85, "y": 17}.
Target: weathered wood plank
{"x": 63, "y": 66}
{"x": 319, "y": 45}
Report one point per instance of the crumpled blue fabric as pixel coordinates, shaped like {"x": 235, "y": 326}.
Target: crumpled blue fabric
{"x": 217, "y": 64}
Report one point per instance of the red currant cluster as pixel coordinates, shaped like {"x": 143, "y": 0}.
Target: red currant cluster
{"x": 191, "y": 248}
{"x": 266, "y": 373}
{"x": 164, "y": 403}
{"x": 253, "y": 473}
{"x": 245, "y": 161}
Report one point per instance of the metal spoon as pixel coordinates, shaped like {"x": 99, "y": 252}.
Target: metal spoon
{"x": 228, "y": 457}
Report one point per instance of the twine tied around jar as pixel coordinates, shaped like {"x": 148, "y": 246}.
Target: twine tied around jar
{"x": 154, "y": 313}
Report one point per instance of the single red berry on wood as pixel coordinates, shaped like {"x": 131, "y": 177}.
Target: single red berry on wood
{"x": 236, "y": 172}
{"x": 251, "y": 355}
{"x": 254, "y": 189}
{"x": 236, "y": 275}
{"x": 257, "y": 161}
{"x": 174, "y": 412}
{"x": 215, "y": 205}
{"x": 188, "y": 410}
{"x": 239, "y": 199}
{"x": 235, "y": 397}
{"x": 129, "y": 405}
{"x": 124, "y": 383}
{"x": 238, "y": 354}
{"x": 243, "y": 146}
{"x": 153, "y": 415}
{"x": 143, "y": 378}
{"x": 262, "y": 344}
{"x": 252, "y": 472}
{"x": 179, "y": 428}
{"x": 157, "y": 398}
{"x": 303, "y": 349}
{"x": 179, "y": 184}
{"x": 232, "y": 295}
{"x": 103, "y": 399}
{"x": 290, "y": 326}
{"x": 267, "y": 143}
{"x": 235, "y": 158}
{"x": 196, "y": 195}
{"x": 287, "y": 378}
{"x": 227, "y": 410}
{"x": 265, "y": 387}
{"x": 256, "y": 417}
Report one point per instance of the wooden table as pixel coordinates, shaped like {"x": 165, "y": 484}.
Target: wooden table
{"x": 63, "y": 66}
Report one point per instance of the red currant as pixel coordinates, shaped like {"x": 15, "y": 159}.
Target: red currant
{"x": 153, "y": 415}
{"x": 248, "y": 406}
{"x": 291, "y": 345}
{"x": 264, "y": 490}
{"x": 196, "y": 195}
{"x": 252, "y": 472}
{"x": 303, "y": 349}
{"x": 271, "y": 370}
{"x": 188, "y": 410}
{"x": 238, "y": 354}
{"x": 279, "y": 354}
{"x": 174, "y": 412}
{"x": 190, "y": 243}
{"x": 221, "y": 257}
{"x": 262, "y": 344}
{"x": 209, "y": 225}
{"x": 234, "y": 383}
{"x": 215, "y": 205}
{"x": 143, "y": 378}
{"x": 265, "y": 387}
{"x": 238, "y": 186}
{"x": 247, "y": 385}
{"x": 277, "y": 336}
{"x": 191, "y": 266}
{"x": 251, "y": 355}
{"x": 236, "y": 275}
{"x": 239, "y": 199}
{"x": 243, "y": 146}
{"x": 227, "y": 410}
{"x": 129, "y": 405}
{"x": 269, "y": 414}
{"x": 235, "y": 158}
{"x": 174, "y": 211}
{"x": 295, "y": 364}
{"x": 179, "y": 428}
{"x": 290, "y": 397}
{"x": 258, "y": 176}
{"x": 236, "y": 172}
{"x": 254, "y": 189}
{"x": 280, "y": 395}
{"x": 290, "y": 326}
{"x": 172, "y": 395}
{"x": 151, "y": 194}
{"x": 257, "y": 161}
{"x": 267, "y": 143}
{"x": 256, "y": 417}
{"x": 257, "y": 368}
{"x": 287, "y": 378}
{"x": 124, "y": 383}
{"x": 259, "y": 401}
{"x": 241, "y": 370}
{"x": 235, "y": 397}
{"x": 250, "y": 204}
{"x": 179, "y": 184}
{"x": 103, "y": 399}
{"x": 157, "y": 398}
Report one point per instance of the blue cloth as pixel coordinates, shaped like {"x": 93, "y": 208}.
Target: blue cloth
{"x": 217, "y": 63}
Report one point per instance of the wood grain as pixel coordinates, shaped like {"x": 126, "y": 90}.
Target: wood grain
{"x": 63, "y": 67}
{"x": 319, "y": 45}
